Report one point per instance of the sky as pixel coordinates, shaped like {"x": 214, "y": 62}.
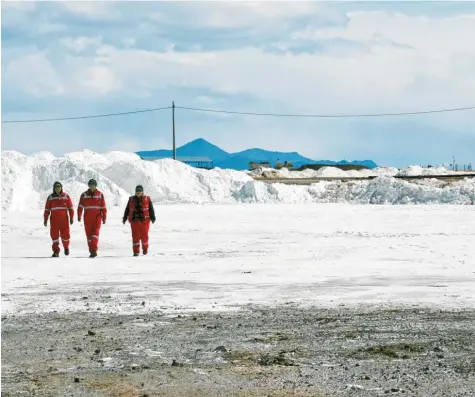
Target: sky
{"x": 65, "y": 59}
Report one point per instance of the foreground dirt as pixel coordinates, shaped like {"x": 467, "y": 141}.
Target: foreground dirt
{"x": 283, "y": 351}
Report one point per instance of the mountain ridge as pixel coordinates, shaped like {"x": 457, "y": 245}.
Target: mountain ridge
{"x": 240, "y": 160}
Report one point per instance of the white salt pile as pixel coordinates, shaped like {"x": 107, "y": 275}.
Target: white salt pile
{"x": 28, "y": 180}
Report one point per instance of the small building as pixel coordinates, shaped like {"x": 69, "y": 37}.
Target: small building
{"x": 253, "y": 165}
{"x": 198, "y": 162}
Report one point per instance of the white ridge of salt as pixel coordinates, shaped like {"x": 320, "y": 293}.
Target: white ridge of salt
{"x": 416, "y": 170}
{"x": 28, "y": 180}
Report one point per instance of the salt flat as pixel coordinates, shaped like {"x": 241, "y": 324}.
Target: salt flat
{"x": 216, "y": 257}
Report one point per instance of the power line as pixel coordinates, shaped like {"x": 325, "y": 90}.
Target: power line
{"x": 86, "y": 117}
{"x": 243, "y": 113}
{"x": 327, "y": 115}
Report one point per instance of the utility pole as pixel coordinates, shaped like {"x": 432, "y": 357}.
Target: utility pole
{"x": 173, "y": 124}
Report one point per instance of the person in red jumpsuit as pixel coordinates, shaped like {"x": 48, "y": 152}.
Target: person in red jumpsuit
{"x": 93, "y": 204}
{"x": 139, "y": 211}
{"x": 59, "y": 206}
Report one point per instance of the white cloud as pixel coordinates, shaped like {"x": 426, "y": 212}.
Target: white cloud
{"x": 34, "y": 74}
{"x": 433, "y": 69}
{"x": 91, "y": 9}
{"x": 47, "y": 27}
{"x": 401, "y": 63}
{"x": 129, "y": 42}
{"x": 24, "y": 6}
{"x": 378, "y": 80}
{"x": 439, "y": 35}
{"x": 16, "y": 14}
{"x": 98, "y": 79}
{"x": 204, "y": 99}
{"x": 79, "y": 44}
{"x": 239, "y": 14}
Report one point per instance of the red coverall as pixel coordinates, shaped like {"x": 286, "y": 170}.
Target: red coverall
{"x": 139, "y": 221}
{"x": 95, "y": 212}
{"x": 59, "y": 206}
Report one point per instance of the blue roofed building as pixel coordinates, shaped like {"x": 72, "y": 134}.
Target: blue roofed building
{"x": 198, "y": 162}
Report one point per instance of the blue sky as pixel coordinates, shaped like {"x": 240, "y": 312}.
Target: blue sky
{"x": 78, "y": 58}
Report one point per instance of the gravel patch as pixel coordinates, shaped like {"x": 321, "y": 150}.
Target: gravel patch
{"x": 254, "y": 351}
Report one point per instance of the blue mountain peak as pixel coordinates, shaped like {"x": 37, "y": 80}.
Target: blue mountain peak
{"x": 240, "y": 160}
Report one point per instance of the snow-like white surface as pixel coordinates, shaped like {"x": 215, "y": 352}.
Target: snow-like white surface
{"x": 331, "y": 172}
{"x": 216, "y": 256}
{"x": 416, "y": 170}
{"x": 28, "y": 180}
{"x": 335, "y": 172}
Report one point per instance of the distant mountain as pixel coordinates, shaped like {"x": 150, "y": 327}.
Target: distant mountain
{"x": 240, "y": 160}
{"x": 197, "y": 148}
{"x": 273, "y": 157}
{"x": 233, "y": 162}
{"x": 367, "y": 163}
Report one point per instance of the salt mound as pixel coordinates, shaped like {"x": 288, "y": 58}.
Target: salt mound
{"x": 328, "y": 172}
{"x": 416, "y": 170}
{"x": 335, "y": 172}
{"x": 332, "y": 172}
{"x": 381, "y": 190}
{"x": 28, "y": 180}
{"x": 101, "y": 161}
{"x": 43, "y": 157}
{"x": 412, "y": 170}
{"x": 383, "y": 171}
{"x": 170, "y": 181}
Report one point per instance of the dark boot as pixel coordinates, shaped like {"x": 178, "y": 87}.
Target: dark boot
{"x": 136, "y": 254}
{"x": 145, "y": 252}
{"x": 55, "y": 255}
{"x": 66, "y": 251}
{"x": 93, "y": 254}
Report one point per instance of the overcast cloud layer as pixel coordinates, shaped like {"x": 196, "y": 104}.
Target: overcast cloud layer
{"x": 77, "y": 58}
